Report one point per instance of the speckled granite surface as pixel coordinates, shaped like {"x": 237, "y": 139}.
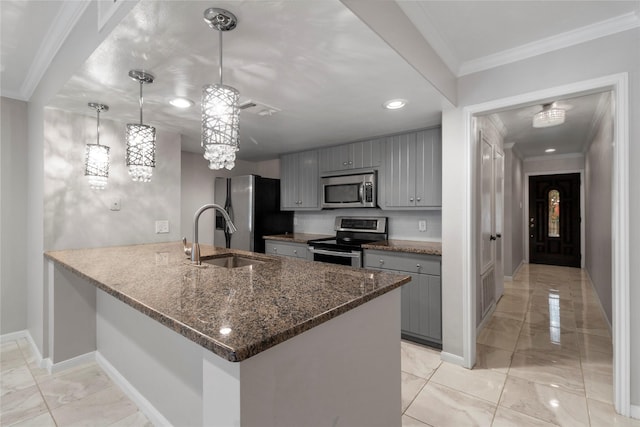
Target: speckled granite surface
{"x": 410, "y": 246}
{"x": 260, "y": 305}
{"x": 297, "y": 237}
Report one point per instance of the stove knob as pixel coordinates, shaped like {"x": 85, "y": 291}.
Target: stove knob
{"x": 295, "y": 251}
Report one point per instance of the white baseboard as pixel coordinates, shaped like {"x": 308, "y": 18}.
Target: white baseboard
{"x": 452, "y": 358}
{"x": 70, "y": 363}
{"x": 515, "y": 272}
{"x": 13, "y": 336}
{"x": 635, "y": 411}
{"x": 156, "y": 418}
{"x": 604, "y": 313}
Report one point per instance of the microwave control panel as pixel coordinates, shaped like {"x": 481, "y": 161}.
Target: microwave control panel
{"x": 368, "y": 192}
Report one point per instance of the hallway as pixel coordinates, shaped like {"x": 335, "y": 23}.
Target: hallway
{"x": 544, "y": 358}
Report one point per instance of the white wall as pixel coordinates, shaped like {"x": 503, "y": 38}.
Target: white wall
{"x": 197, "y": 189}
{"x": 598, "y": 185}
{"x": 551, "y": 164}
{"x": 76, "y": 216}
{"x": 13, "y": 205}
{"x": 403, "y": 225}
{"x": 513, "y": 212}
{"x": 597, "y": 58}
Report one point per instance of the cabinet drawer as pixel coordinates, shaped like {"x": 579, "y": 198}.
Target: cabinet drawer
{"x": 423, "y": 264}
{"x": 294, "y": 250}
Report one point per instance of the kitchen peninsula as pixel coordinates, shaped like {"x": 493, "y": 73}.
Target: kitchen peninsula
{"x": 273, "y": 342}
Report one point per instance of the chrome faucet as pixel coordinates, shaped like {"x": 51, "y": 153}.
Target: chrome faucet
{"x": 194, "y": 251}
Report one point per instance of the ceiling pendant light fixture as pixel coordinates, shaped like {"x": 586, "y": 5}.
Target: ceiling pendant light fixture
{"x": 96, "y": 164}
{"x": 141, "y": 139}
{"x": 549, "y": 116}
{"x": 220, "y": 110}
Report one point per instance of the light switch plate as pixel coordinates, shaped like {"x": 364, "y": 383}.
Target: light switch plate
{"x": 162, "y": 226}
{"x": 422, "y": 225}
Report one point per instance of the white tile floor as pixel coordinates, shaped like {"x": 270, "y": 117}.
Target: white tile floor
{"x": 544, "y": 359}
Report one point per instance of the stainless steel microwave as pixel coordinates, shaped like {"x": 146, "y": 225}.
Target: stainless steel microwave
{"x": 350, "y": 191}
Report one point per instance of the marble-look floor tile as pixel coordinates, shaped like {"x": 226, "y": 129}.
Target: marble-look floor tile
{"x": 482, "y": 383}
{"x": 42, "y": 420}
{"x": 589, "y": 343}
{"x": 553, "y": 292}
{"x": 596, "y": 360}
{"x": 547, "y": 403}
{"x": 549, "y": 339}
{"x": 504, "y": 324}
{"x": 506, "y": 417}
{"x": 15, "y": 379}
{"x": 492, "y": 358}
{"x": 411, "y": 386}
{"x": 497, "y": 339}
{"x": 418, "y": 360}
{"x": 11, "y": 356}
{"x": 136, "y": 420}
{"x": 604, "y": 415}
{"x": 21, "y": 405}
{"x": 74, "y": 384}
{"x": 98, "y": 409}
{"x": 550, "y": 303}
{"x": 562, "y": 372}
{"x": 438, "y": 405}
{"x": 599, "y": 384}
{"x": 543, "y": 318}
{"x": 407, "y": 421}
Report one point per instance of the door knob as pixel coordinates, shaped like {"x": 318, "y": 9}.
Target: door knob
{"x": 499, "y": 236}
{"x": 492, "y": 237}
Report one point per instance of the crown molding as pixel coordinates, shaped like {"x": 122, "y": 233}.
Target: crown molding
{"x": 600, "y": 29}
{"x": 12, "y": 94}
{"x": 555, "y": 157}
{"x": 497, "y": 122}
{"x": 62, "y": 24}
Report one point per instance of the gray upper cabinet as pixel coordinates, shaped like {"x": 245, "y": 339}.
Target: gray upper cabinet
{"x": 413, "y": 170}
{"x": 357, "y": 155}
{"x": 299, "y": 181}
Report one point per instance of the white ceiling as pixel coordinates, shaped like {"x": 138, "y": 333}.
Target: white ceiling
{"x": 316, "y": 61}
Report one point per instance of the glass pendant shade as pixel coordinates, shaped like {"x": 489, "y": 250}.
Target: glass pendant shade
{"x": 141, "y": 151}
{"x": 220, "y": 123}
{"x": 96, "y": 160}
{"x": 549, "y": 116}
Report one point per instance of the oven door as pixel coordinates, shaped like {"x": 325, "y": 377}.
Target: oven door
{"x": 352, "y": 258}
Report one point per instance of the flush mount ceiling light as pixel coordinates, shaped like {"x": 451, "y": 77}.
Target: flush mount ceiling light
{"x": 96, "y": 165}
{"x": 220, "y": 111}
{"x": 549, "y": 116}
{"x": 181, "y": 102}
{"x": 141, "y": 139}
{"x": 394, "y": 104}
{"x": 550, "y": 150}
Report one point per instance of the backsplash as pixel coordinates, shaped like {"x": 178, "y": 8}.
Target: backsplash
{"x": 403, "y": 225}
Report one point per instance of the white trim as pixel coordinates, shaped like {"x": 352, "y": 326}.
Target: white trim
{"x": 618, "y": 83}
{"x": 635, "y": 411}
{"x": 584, "y": 34}
{"x": 452, "y": 358}
{"x": 602, "y": 311}
{"x": 583, "y": 207}
{"x": 5, "y": 93}
{"x": 515, "y": 272}
{"x": 555, "y": 157}
{"x": 71, "y": 363}
{"x": 106, "y": 9}
{"x": 150, "y": 411}
{"x": 13, "y": 336}
{"x": 487, "y": 316}
{"x": 604, "y": 101}
{"x": 62, "y": 24}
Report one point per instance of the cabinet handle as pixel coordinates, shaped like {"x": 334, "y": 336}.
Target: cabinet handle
{"x": 418, "y": 266}
{"x": 381, "y": 261}
{"x": 295, "y": 251}
{"x": 350, "y": 162}
{"x": 275, "y": 249}
{"x": 344, "y": 163}
{"x": 418, "y": 199}
{"x": 411, "y": 199}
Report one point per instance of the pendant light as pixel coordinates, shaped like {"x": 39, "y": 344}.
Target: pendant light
{"x": 96, "y": 164}
{"x": 549, "y": 116}
{"x": 141, "y": 139}
{"x": 220, "y": 110}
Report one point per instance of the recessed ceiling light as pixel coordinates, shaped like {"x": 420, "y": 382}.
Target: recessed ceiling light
{"x": 394, "y": 104}
{"x": 181, "y": 102}
{"x": 550, "y": 150}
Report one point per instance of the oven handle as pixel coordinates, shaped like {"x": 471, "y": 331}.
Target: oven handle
{"x": 332, "y": 253}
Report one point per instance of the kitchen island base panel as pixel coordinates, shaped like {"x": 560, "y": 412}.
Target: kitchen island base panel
{"x": 345, "y": 371}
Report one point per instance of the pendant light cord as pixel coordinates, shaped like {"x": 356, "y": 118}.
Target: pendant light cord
{"x": 220, "y": 37}
{"x": 141, "y": 101}
{"x": 98, "y": 126}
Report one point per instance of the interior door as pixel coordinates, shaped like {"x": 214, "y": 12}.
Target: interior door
{"x": 554, "y": 219}
{"x": 499, "y": 221}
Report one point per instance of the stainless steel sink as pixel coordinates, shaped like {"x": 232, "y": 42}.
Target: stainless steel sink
{"x": 232, "y": 261}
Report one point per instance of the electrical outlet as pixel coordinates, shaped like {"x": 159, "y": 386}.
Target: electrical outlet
{"x": 422, "y": 225}
{"x": 295, "y": 220}
{"x": 162, "y": 226}
{"x": 115, "y": 205}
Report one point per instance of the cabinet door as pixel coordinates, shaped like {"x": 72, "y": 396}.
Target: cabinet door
{"x": 400, "y": 170}
{"x": 335, "y": 158}
{"x": 365, "y": 154}
{"x": 289, "y": 181}
{"x": 292, "y": 250}
{"x": 429, "y": 168}
{"x": 308, "y": 180}
{"x": 421, "y": 308}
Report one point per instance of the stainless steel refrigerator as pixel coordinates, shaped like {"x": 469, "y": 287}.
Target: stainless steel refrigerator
{"x": 253, "y": 202}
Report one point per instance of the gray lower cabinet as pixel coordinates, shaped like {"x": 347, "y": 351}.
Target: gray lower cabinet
{"x": 286, "y": 249}
{"x": 421, "y": 319}
{"x": 299, "y": 181}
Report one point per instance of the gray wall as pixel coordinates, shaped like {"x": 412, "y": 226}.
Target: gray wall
{"x": 76, "y": 216}
{"x": 13, "y": 206}
{"x": 560, "y": 163}
{"x": 513, "y": 211}
{"x": 619, "y": 53}
{"x": 598, "y": 185}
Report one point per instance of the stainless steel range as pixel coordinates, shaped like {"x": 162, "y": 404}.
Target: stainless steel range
{"x": 351, "y": 233}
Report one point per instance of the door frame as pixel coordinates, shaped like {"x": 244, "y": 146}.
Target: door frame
{"x": 618, "y": 84}
{"x": 525, "y": 210}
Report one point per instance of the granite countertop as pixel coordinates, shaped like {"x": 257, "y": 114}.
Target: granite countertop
{"x": 410, "y": 246}
{"x": 297, "y": 237}
{"x": 236, "y": 313}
